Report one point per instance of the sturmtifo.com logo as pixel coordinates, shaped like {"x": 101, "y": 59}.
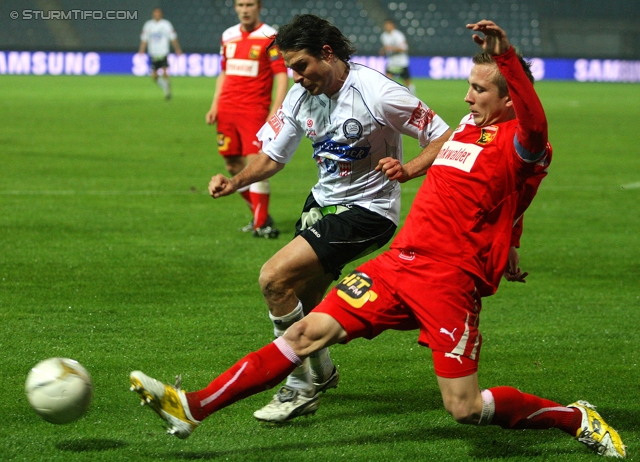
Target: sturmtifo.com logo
{"x": 80, "y": 15}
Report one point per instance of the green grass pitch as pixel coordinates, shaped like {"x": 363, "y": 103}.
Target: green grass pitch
{"x": 112, "y": 253}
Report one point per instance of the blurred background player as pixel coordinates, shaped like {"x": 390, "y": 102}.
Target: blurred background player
{"x": 242, "y": 101}
{"x": 395, "y": 48}
{"x": 354, "y": 117}
{"x": 157, "y": 34}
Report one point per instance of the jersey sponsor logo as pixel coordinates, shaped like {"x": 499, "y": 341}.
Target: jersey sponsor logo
{"x": 352, "y": 129}
{"x": 421, "y": 116}
{"x": 276, "y": 122}
{"x": 242, "y": 67}
{"x": 355, "y": 289}
{"x": 309, "y": 123}
{"x": 487, "y": 134}
{"x": 458, "y": 155}
{"x": 223, "y": 142}
{"x": 341, "y": 150}
{"x": 254, "y": 52}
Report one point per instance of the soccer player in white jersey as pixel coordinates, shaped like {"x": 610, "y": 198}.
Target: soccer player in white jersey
{"x": 157, "y": 34}
{"x": 354, "y": 116}
{"x": 395, "y": 48}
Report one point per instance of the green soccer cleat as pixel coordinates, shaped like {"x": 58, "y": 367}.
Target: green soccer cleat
{"x": 597, "y": 434}
{"x": 169, "y": 402}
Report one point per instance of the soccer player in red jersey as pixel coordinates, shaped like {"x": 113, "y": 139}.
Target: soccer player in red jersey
{"x": 459, "y": 239}
{"x": 242, "y": 102}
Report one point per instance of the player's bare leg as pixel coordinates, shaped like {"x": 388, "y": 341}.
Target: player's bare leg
{"x": 288, "y": 275}
{"x": 510, "y": 408}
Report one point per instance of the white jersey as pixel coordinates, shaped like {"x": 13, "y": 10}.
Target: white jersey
{"x": 158, "y": 35}
{"x": 395, "y": 38}
{"x": 351, "y": 131}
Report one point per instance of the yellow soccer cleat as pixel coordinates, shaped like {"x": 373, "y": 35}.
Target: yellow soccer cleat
{"x": 597, "y": 434}
{"x": 169, "y": 402}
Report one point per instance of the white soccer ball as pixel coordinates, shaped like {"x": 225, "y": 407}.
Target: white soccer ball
{"x": 59, "y": 390}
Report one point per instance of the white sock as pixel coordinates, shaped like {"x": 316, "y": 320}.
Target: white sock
{"x": 321, "y": 365}
{"x": 488, "y": 408}
{"x": 282, "y": 323}
{"x": 300, "y": 379}
{"x": 163, "y": 82}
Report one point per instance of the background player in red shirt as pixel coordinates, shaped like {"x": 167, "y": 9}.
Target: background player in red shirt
{"x": 242, "y": 101}
{"x": 456, "y": 244}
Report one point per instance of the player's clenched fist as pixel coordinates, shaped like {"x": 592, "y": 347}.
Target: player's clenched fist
{"x": 220, "y": 186}
{"x": 393, "y": 169}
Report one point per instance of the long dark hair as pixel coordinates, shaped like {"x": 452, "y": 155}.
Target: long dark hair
{"x": 309, "y": 32}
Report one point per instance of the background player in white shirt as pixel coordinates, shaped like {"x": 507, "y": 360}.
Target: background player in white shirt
{"x": 395, "y": 48}
{"x": 354, "y": 116}
{"x": 157, "y": 34}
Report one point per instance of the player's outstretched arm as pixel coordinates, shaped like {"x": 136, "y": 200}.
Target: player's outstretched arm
{"x": 261, "y": 168}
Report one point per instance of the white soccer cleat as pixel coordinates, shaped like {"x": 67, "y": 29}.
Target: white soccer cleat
{"x": 596, "y": 434}
{"x": 169, "y": 402}
{"x": 287, "y": 404}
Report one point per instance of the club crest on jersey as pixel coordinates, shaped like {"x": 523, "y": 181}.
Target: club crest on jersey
{"x": 487, "y": 134}
{"x": 273, "y": 53}
{"x": 355, "y": 289}
{"x": 254, "y": 52}
{"x": 352, "y": 129}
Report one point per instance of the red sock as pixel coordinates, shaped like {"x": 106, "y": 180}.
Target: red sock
{"x": 256, "y": 372}
{"x": 517, "y": 410}
{"x": 260, "y": 202}
{"x": 246, "y": 195}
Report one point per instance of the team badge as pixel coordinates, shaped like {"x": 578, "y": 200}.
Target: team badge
{"x": 254, "y": 53}
{"x": 355, "y": 289}
{"x": 274, "y": 53}
{"x": 487, "y": 134}
{"x": 352, "y": 129}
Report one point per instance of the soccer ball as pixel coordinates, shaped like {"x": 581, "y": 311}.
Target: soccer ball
{"x": 59, "y": 390}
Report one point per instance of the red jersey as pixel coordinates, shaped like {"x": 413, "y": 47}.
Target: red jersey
{"x": 466, "y": 211}
{"x": 249, "y": 69}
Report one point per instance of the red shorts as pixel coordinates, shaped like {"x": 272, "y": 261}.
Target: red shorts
{"x": 237, "y": 133}
{"x": 404, "y": 291}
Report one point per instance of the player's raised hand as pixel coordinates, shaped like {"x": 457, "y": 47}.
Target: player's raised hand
{"x": 393, "y": 169}
{"x": 495, "y": 41}
{"x": 220, "y": 186}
